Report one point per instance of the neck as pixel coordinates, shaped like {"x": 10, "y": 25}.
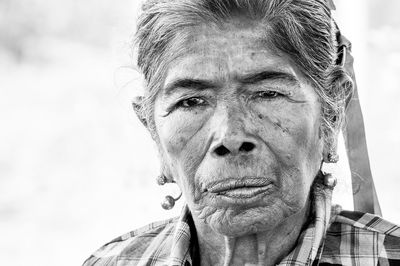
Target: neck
{"x": 261, "y": 248}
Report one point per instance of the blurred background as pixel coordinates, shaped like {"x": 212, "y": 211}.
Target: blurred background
{"x": 76, "y": 167}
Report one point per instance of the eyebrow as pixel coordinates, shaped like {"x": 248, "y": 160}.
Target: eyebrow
{"x": 268, "y": 76}
{"x": 188, "y": 83}
{"x": 253, "y": 78}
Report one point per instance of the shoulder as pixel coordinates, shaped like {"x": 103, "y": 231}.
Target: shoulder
{"x": 363, "y": 239}
{"x": 134, "y": 245}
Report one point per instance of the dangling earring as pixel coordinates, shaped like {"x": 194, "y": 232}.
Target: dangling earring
{"x": 169, "y": 201}
{"x": 329, "y": 180}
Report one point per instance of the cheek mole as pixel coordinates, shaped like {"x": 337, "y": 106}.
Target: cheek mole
{"x": 182, "y": 140}
{"x": 279, "y": 125}
{"x": 175, "y": 144}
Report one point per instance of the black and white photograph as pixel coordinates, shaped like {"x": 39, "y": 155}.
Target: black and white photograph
{"x": 199, "y": 132}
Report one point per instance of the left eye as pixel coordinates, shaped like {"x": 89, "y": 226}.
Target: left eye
{"x": 191, "y": 102}
{"x": 267, "y": 94}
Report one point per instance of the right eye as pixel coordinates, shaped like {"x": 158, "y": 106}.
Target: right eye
{"x": 267, "y": 94}
{"x": 191, "y": 102}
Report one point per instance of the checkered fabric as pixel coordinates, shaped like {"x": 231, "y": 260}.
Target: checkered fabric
{"x": 332, "y": 237}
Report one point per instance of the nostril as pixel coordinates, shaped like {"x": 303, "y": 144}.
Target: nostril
{"x": 221, "y": 150}
{"x": 247, "y": 147}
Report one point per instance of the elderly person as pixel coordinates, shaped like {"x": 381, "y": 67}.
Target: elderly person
{"x": 245, "y": 99}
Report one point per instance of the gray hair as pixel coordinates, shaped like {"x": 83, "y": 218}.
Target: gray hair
{"x": 302, "y": 29}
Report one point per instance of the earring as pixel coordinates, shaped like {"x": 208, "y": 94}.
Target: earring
{"x": 329, "y": 180}
{"x": 333, "y": 157}
{"x": 162, "y": 180}
{"x": 169, "y": 201}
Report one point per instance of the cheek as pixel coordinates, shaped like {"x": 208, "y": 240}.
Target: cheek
{"x": 183, "y": 139}
{"x": 288, "y": 128}
{"x": 291, "y": 133}
{"x": 176, "y": 131}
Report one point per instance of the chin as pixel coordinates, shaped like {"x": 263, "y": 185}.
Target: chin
{"x": 236, "y": 223}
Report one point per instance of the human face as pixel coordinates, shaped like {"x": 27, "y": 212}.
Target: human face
{"x": 238, "y": 128}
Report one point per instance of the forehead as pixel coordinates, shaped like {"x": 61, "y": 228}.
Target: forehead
{"x": 236, "y": 49}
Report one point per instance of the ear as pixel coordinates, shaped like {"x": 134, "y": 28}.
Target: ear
{"x": 137, "y": 105}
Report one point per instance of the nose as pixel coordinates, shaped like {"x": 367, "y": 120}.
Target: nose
{"x": 231, "y": 136}
{"x": 244, "y": 147}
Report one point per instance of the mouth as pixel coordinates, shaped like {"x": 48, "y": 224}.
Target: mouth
{"x": 243, "y": 188}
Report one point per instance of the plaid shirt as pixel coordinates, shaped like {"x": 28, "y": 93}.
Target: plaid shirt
{"x": 332, "y": 237}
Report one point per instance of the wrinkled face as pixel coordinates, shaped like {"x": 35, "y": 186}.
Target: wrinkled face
{"x": 239, "y": 130}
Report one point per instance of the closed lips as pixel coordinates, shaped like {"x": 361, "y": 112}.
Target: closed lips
{"x": 235, "y": 183}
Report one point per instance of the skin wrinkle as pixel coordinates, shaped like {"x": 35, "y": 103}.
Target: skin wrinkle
{"x": 177, "y": 135}
{"x": 188, "y": 135}
{"x": 276, "y": 153}
{"x": 261, "y": 247}
{"x": 221, "y": 216}
{"x": 277, "y": 124}
{"x": 160, "y": 23}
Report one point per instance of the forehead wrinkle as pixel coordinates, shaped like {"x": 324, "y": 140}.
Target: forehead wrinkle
{"x": 201, "y": 42}
{"x": 207, "y": 31}
{"x": 190, "y": 69}
{"x": 182, "y": 43}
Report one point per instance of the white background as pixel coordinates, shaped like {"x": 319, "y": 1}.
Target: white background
{"x": 76, "y": 167}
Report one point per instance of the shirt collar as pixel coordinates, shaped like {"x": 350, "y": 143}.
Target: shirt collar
{"x": 180, "y": 248}
{"x": 310, "y": 241}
